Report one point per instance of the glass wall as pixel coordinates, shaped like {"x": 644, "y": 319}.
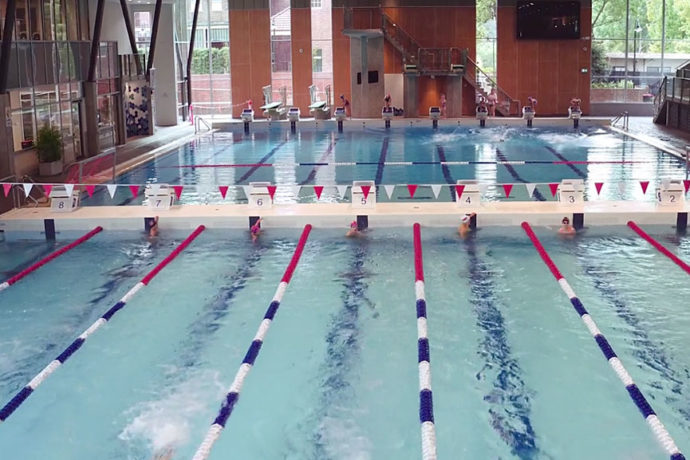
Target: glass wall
{"x": 281, "y": 51}
{"x": 635, "y": 44}
{"x": 486, "y": 38}
{"x": 322, "y": 47}
{"x": 210, "y": 70}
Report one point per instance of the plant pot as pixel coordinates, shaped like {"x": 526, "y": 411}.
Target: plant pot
{"x": 50, "y": 169}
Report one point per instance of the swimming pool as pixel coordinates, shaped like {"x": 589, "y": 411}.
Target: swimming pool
{"x": 400, "y": 156}
{"x": 515, "y": 372}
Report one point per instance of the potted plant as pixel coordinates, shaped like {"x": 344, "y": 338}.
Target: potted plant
{"x": 49, "y": 148}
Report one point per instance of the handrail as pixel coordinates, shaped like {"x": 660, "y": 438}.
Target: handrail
{"x": 623, "y": 116}
{"x": 410, "y": 46}
{"x": 499, "y": 90}
{"x": 197, "y": 121}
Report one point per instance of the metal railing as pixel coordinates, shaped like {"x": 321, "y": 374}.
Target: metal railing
{"x": 624, "y": 118}
{"x": 475, "y": 74}
{"x": 406, "y": 44}
{"x": 99, "y": 168}
{"x": 198, "y": 121}
{"x": 439, "y": 60}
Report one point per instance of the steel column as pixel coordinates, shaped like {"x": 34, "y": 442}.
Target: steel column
{"x": 190, "y": 53}
{"x": 96, "y": 41}
{"x": 154, "y": 36}
{"x": 7, "y": 32}
{"x": 130, "y": 33}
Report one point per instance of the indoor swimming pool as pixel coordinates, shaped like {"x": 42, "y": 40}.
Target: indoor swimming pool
{"x": 400, "y": 156}
{"x": 515, "y": 372}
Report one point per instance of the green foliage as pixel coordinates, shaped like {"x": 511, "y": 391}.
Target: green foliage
{"x": 618, "y": 84}
{"x": 220, "y": 57}
{"x": 599, "y": 65}
{"x": 49, "y": 144}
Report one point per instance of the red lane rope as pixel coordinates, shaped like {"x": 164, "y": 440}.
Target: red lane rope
{"x": 542, "y": 252}
{"x": 145, "y": 280}
{"x": 418, "y": 260}
{"x": 295, "y": 257}
{"x": 53, "y": 255}
{"x": 659, "y": 247}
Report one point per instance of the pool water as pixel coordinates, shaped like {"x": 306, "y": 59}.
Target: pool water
{"x": 515, "y": 373}
{"x": 276, "y": 156}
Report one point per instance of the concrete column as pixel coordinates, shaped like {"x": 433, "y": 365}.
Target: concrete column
{"x": 165, "y": 94}
{"x": 366, "y": 55}
{"x": 411, "y": 95}
{"x": 454, "y": 97}
{"x": 6, "y": 144}
{"x": 91, "y": 146}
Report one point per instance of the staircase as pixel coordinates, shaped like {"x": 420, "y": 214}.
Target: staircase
{"x": 482, "y": 83}
{"x": 672, "y": 101}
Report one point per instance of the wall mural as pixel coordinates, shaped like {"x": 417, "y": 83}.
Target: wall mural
{"x": 137, "y": 108}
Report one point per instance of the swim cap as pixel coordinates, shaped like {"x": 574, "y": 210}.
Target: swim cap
{"x": 565, "y": 220}
{"x": 353, "y": 224}
{"x": 465, "y": 218}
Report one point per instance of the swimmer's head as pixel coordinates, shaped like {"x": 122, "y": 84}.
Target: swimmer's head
{"x": 565, "y": 221}
{"x": 466, "y": 219}
{"x": 353, "y": 224}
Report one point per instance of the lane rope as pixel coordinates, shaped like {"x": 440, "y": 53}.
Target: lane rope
{"x": 233, "y": 394}
{"x": 25, "y": 392}
{"x": 658, "y": 429}
{"x": 659, "y": 247}
{"x": 426, "y": 404}
{"x": 48, "y": 258}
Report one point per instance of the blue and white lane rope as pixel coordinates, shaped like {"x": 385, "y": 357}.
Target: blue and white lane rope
{"x": 212, "y": 435}
{"x": 660, "y": 432}
{"x": 426, "y": 403}
{"x": 25, "y": 392}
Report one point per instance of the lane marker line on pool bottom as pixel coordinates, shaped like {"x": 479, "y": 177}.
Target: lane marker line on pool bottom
{"x": 48, "y": 258}
{"x": 658, "y": 429}
{"x": 659, "y": 247}
{"x": 426, "y": 402}
{"x": 213, "y": 433}
{"x": 25, "y": 392}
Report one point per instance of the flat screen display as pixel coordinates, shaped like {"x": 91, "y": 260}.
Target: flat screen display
{"x": 555, "y": 20}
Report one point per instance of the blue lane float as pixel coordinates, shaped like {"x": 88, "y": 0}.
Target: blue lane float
{"x": 658, "y": 429}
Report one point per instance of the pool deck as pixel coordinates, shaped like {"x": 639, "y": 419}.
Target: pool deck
{"x": 30, "y": 221}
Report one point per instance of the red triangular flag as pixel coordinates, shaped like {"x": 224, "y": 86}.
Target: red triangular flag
{"x": 644, "y": 184}
{"x": 318, "y": 189}
{"x": 6, "y": 188}
{"x": 686, "y": 183}
{"x": 459, "y": 189}
{"x": 554, "y": 189}
{"x": 178, "y": 190}
{"x": 47, "y": 188}
{"x": 272, "y": 190}
{"x": 598, "y": 186}
{"x": 134, "y": 189}
{"x": 90, "y": 189}
{"x": 507, "y": 188}
{"x": 223, "y": 190}
{"x": 365, "y": 190}
{"x": 411, "y": 188}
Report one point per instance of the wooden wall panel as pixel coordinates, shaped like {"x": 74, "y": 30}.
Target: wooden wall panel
{"x": 300, "y": 23}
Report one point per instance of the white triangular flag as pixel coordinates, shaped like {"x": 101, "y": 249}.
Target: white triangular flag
{"x": 27, "y": 188}
{"x": 342, "y": 190}
{"x": 530, "y": 189}
{"x": 111, "y": 190}
{"x": 246, "y": 190}
{"x": 621, "y": 187}
{"x": 389, "y": 190}
{"x": 69, "y": 188}
{"x": 436, "y": 188}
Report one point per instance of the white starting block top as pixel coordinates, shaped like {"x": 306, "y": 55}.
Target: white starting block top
{"x": 528, "y": 113}
{"x": 340, "y": 114}
{"x": 271, "y": 106}
{"x": 159, "y": 196}
{"x": 259, "y": 196}
{"x": 671, "y": 192}
{"x": 571, "y": 191}
{"x": 482, "y": 113}
{"x": 293, "y": 114}
{"x": 62, "y": 200}
{"x": 318, "y": 105}
{"x": 435, "y": 113}
{"x": 574, "y": 114}
{"x": 471, "y": 194}
{"x": 247, "y": 115}
{"x": 387, "y": 113}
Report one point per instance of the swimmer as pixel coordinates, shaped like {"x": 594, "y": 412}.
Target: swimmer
{"x": 566, "y": 229}
{"x": 464, "y": 228}
{"x": 354, "y": 230}
{"x": 153, "y": 227}
{"x": 255, "y": 229}
{"x": 164, "y": 455}
{"x": 387, "y": 101}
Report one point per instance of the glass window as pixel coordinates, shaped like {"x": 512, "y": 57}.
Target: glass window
{"x": 317, "y": 60}
{"x": 316, "y": 3}
{"x": 216, "y": 5}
